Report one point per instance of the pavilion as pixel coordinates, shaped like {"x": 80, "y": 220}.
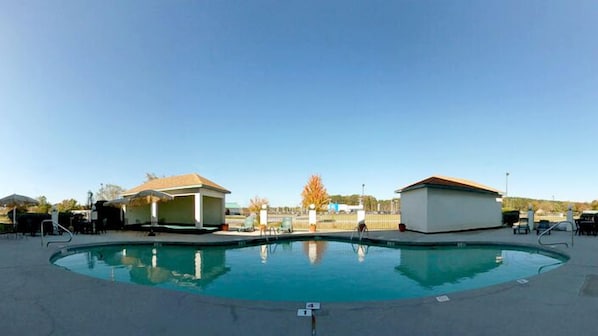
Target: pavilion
{"x": 198, "y": 202}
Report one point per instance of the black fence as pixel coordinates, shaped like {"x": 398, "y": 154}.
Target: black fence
{"x": 108, "y": 216}
{"x": 30, "y": 223}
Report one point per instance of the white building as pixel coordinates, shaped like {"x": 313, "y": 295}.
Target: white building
{"x": 445, "y": 204}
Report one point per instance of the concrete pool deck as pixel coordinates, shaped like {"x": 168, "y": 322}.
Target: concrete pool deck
{"x": 41, "y": 299}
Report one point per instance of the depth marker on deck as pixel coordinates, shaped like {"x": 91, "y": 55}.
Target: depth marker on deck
{"x": 442, "y": 298}
{"x": 309, "y": 312}
{"x": 304, "y": 312}
{"x": 312, "y": 305}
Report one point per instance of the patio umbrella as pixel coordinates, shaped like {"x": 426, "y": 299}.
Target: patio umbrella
{"x": 149, "y": 196}
{"x": 117, "y": 202}
{"x": 152, "y": 197}
{"x": 15, "y": 201}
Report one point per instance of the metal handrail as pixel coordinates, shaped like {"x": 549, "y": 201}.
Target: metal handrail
{"x": 360, "y": 233}
{"x": 55, "y": 241}
{"x": 357, "y": 247}
{"x": 551, "y": 228}
{"x": 269, "y": 231}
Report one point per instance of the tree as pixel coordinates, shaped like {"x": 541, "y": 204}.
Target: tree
{"x": 43, "y": 206}
{"x": 314, "y": 193}
{"x": 68, "y": 205}
{"x": 255, "y": 205}
{"x": 150, "y": 176}
{"x": 109, "y": 192}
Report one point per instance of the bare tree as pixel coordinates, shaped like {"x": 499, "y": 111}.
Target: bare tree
{"x": 255, "y": 204}
{"x": 150, "y": 176}
{"x": 109, "y": 192}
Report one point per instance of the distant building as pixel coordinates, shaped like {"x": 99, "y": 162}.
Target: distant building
{"x": 335, "y": 207}
{"x": 445, "y": 204}
{"x": 233, "y": 208}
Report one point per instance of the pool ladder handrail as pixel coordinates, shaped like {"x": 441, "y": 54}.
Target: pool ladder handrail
{"x": 357, "y": 247}
{"x": 60, "y": 227}
{"x": 269, "y": 231}
{"x": 363, "y": 231}
{"x": 551, "y": 228}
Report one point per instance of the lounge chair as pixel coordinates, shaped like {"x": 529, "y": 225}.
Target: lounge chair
{"x": 248, "y": 225}
{"x": 578, "y": 229}
{"x": 521, "y": 227}
{"x": 543, "y": 225}
{"x": 586, "y": 225}
{"x": 286, "y": 225}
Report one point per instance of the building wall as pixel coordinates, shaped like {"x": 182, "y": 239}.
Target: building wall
{"x": 138, "y": 214}
{"x": 177, "y": 211}
{"x": 213, "y": 193}
{"x": 454, "y": 210}
{"x": 414, "y": 212}
{"x": 433, "y": 210}
{"x": 213, "y": 211}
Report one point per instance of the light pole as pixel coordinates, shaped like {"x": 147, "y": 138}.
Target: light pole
{"x": 506, "y": 188}
{"x": 361, "y": 198}
{"x": 89, "y": 199}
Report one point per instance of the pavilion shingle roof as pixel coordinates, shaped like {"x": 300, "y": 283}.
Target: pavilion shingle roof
{"x": 451, "y": 182}
{"x": 177, "y": 182}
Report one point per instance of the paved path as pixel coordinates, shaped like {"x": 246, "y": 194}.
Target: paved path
{"x": 41, "y": 299}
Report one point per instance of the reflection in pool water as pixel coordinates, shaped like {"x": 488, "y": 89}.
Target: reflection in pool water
{"x": 317, "y": 270}
{"x": 149, "y": 265}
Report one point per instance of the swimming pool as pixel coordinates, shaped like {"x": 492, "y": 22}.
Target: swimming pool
{"x": 310, "y": 270}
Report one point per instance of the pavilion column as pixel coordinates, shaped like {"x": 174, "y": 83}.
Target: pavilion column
{"x": 154, "y": 218}
{"x": 197, "y": 207}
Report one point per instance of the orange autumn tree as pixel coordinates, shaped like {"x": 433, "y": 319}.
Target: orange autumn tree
{"x": 314, "y": 193}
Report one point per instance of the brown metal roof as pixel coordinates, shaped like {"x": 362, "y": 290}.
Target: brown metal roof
{"x": 446, "y": 181}
{"x": 177, "y": 182}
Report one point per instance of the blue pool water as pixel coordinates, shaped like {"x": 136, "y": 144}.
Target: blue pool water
{"x": 317, "y": 270}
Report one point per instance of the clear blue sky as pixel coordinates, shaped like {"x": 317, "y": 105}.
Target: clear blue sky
{"x": 259, "y": 95}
